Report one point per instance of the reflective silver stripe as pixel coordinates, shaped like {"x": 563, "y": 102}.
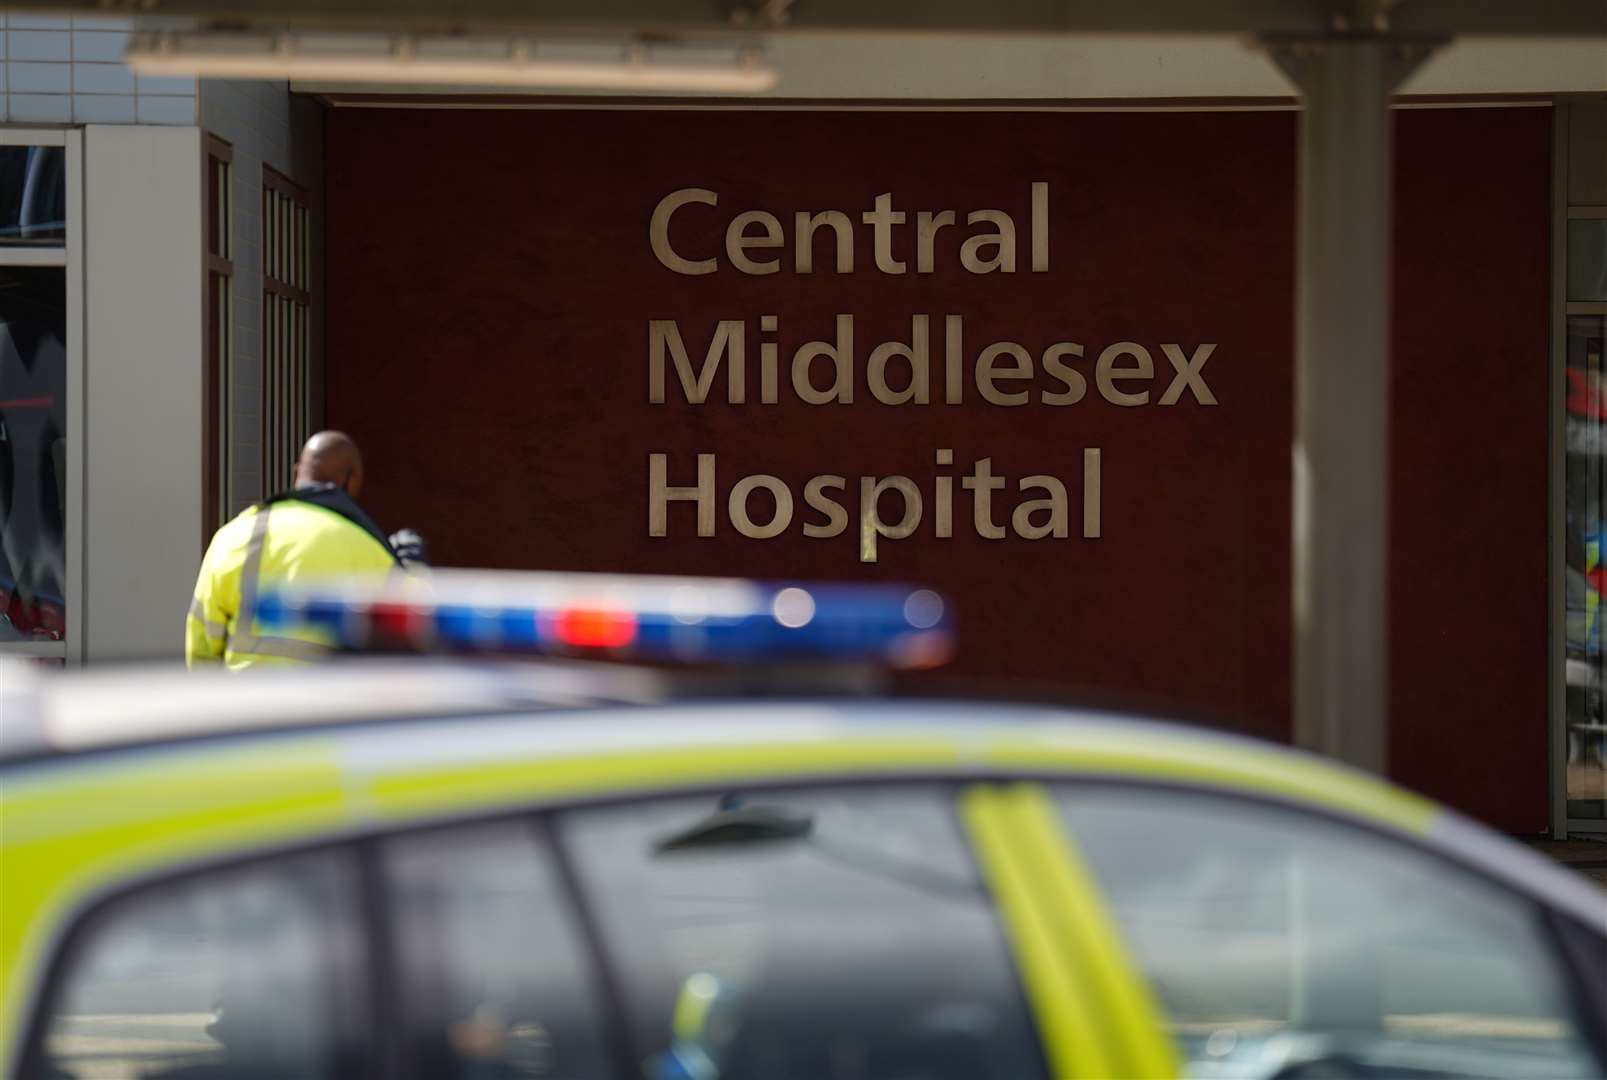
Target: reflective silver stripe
{"x": 250, "y": 571}
{"x": 198, "y": 613}
{"x": 284, "y": 648}
{"x": 244, "y": 642}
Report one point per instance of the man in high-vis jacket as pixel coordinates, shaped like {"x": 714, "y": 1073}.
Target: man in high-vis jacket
{"x": 314, "y": 531}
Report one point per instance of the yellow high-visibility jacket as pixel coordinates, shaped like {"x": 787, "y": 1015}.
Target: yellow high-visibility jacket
{"x": 288, "y": 539}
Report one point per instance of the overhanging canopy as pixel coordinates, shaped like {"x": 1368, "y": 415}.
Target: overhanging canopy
{"x": 1408, "y": 18}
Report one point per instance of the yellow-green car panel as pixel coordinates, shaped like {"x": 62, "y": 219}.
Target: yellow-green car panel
{"x": 75, "y": 826}
{"x": 1076, "y": 1037}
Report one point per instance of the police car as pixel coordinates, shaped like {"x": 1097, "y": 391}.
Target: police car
{"x": 455, "y": 867}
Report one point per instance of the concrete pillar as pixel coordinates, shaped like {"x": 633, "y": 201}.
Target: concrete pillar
{"x": 1341, "y": 449}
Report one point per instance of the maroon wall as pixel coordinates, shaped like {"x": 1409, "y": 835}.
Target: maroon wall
{"x": 490, "y": 282}
{"x": 1468, "y": 608}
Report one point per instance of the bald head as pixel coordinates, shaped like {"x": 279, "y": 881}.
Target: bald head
{"x": 330, "y": 457}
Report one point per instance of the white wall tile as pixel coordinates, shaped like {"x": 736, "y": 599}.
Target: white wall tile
{"x": 166, "y": 110}
{"x": 39, "y": 45}
{"x": 166, "y": 84}
{"x": 41, "y": 108}
{"x": 39, "y": 78}
{"x": 103, "y": 45}
{"x": 102, "y": 22}
{"x": 103, "y": 108}
{"x": 2, "y": 46}
{"x": 25, "y": 21}
{"x": 102, "y": 79}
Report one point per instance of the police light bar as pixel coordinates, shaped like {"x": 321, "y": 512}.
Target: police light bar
{"x": 648, "y": 619}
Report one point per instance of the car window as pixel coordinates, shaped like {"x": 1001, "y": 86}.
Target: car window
{"x": 804, "y": 935}
{"x": 242, "y": 974}
{"x": 494, "y": 980}
{"x": 1274, "y": 938}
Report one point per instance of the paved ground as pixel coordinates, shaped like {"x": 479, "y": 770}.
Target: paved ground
{"x": 1589, "y": 857}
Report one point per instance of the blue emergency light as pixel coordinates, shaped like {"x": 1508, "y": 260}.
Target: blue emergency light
{"x": 649, "y": 619}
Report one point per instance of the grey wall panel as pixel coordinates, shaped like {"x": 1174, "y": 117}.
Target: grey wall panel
{"x": 142, "y": 387}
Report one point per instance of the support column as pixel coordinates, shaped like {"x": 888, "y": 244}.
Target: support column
{"x": 1341, "y": 446}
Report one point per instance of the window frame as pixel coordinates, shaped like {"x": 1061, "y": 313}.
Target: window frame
{"x": 381, "y": 924}
{"x": 608, "y": 988}
{"x": 1563, "y": 210}
{"x": 950, "y": 789}
{"x": 69, "y": 255}
{"x": 287, "y": 232}
{"x": 1558, "y": 931}
{"x": 218, "y": 325}
{"x": 362, "y": 844}
{"x": 69, "y": 941}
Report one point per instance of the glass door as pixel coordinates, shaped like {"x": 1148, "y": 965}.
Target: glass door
{"x": 1585, "y": 574}
{"x": 1580, "y": 773}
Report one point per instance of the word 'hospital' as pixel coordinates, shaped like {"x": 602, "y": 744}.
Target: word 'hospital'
{"x": 1048, "y": 515}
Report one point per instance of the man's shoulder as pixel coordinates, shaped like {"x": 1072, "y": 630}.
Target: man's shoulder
{"x": 311, "y": 514}
{"x": 230, "y": 539}
{"x": 238, "y": 528}
{"x": 337, "y": 509}
{"x": 319, "y": 525}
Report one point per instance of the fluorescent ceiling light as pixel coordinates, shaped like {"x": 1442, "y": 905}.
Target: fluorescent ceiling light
{"x": 457, "y": 60}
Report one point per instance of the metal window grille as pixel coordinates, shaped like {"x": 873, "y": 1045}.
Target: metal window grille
{"x": 286, "y": 327}
{"x": 218, "y": 435}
